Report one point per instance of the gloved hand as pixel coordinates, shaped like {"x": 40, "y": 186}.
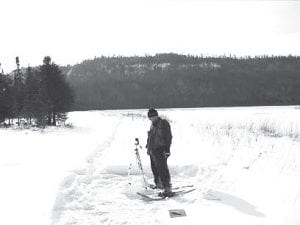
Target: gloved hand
{"x": 167, "y": 154}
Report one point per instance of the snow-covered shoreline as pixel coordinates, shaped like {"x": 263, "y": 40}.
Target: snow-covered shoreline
{"x": 247, "y": 157}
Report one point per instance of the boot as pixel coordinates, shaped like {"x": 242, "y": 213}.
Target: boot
{"x": 167, "y": 192}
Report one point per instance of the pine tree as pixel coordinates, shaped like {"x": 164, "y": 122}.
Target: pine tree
{"x": 19, "y": 91}
{"x": 32, "y": 96}
{"x": 56, "y": 92}
{"x": 2, "y": 96}
{"x": 6, "y": 97}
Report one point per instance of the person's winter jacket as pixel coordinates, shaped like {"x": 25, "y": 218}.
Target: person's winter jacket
{"x": 159, "y": 137}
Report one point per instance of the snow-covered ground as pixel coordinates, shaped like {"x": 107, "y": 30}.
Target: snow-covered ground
{"x": 245, "y": 163}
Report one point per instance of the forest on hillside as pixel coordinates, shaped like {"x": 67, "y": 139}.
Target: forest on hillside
{"x": 172, "y": 80}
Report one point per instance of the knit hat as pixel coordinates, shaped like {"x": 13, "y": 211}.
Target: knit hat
{"x": 152, "y": 112}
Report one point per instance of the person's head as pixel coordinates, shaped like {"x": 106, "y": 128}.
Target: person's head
{"x": 152, "y": 114}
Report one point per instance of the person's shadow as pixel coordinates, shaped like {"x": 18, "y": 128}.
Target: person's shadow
{"x": 234, "y": 202}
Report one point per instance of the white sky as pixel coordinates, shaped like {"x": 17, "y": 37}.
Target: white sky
{"x": 73, "y": 30}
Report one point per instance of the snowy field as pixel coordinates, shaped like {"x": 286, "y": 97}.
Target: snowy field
{"x": 245, "y": 163}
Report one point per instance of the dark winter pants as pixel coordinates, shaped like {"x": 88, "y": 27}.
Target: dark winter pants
{"x": 160, "y": 169}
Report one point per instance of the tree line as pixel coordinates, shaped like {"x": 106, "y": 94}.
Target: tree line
{"x": 42, "y": 95}
{"x": 37, "y": 96}
{"x": 172, "y": 80}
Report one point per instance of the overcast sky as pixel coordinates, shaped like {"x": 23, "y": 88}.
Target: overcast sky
{"x": 73, "y": 30}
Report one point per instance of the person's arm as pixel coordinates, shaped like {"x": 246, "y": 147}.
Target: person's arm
{"x": 148, "y": 143}
{"x": 165, "y": 137}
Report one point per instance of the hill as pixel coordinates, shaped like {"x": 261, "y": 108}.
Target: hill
{"x": 172, "y": 80}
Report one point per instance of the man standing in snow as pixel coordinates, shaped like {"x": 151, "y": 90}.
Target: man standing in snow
{"x": 158, "y": 147}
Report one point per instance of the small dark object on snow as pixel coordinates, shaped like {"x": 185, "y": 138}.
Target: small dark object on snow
{"x": 176, "y": 213}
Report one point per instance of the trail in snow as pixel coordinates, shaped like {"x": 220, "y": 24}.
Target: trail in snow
{"x": 101, "y": 192}
{"x": 71, "y": 186}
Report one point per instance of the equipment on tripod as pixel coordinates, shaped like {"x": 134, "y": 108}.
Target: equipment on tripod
{"x": 139, "y": 163}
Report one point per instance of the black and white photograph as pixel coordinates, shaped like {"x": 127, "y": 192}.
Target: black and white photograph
{"x": 150, "y": 112}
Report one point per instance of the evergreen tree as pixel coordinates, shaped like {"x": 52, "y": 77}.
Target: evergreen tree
{"x": 18, "y": 91}
{"x": 3, "y": 88}
{"x": 33, "y": 106}
{"x": 55, "y": 91}
{"x": 6, "y": 97}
